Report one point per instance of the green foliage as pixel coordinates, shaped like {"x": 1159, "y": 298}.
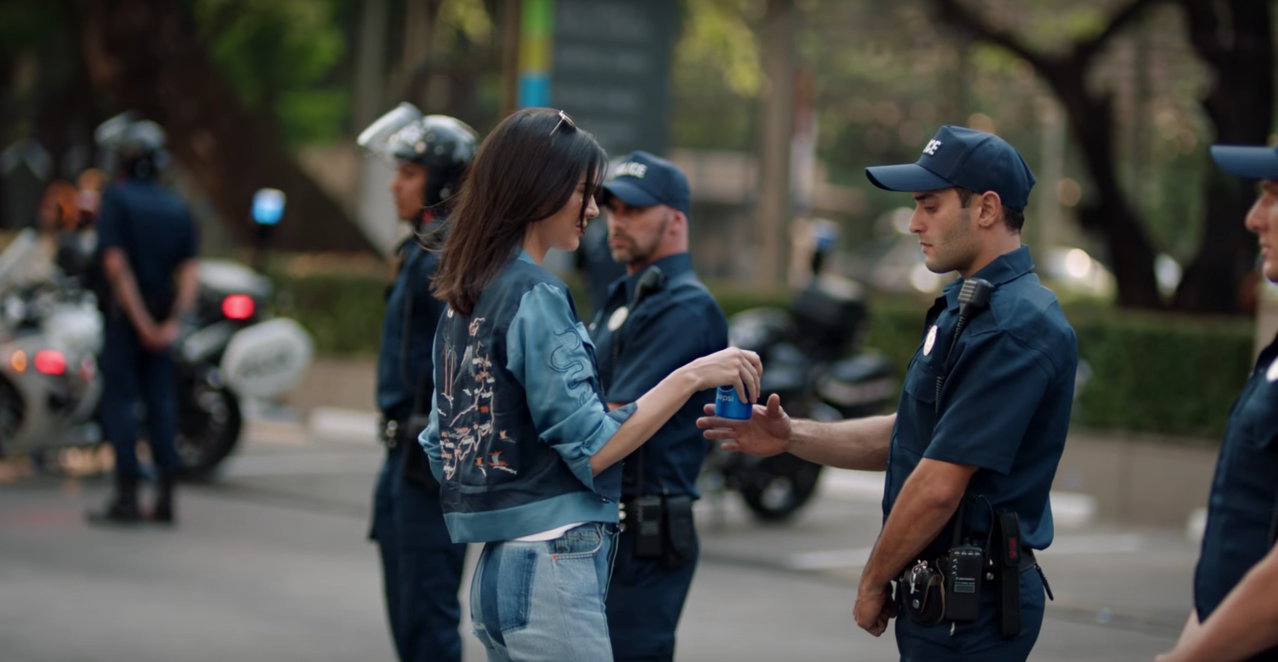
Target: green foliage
{"x": 1162, "y": 373}
{"x": 279, "y": 55}
{"x": 1150, "y": 373}
{"x": 342, "y": 312}
{"x": 715, "y": 77}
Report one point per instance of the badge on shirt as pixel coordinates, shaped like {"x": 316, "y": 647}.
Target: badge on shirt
{"x": 1272, "y": 373}
{"x": 618, "y": 318}
{"x": 931, "y": 340}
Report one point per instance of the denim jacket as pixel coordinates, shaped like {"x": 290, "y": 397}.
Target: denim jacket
{"x": 518, "y": 412}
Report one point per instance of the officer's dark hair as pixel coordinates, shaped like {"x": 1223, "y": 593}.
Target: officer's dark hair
{"x": 1014, "y": 220}
{"x": 526, "y": 170}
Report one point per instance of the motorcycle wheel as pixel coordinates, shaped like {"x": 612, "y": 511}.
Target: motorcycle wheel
{"x": 780, "y": 485}
{"x": 209, "y": 424}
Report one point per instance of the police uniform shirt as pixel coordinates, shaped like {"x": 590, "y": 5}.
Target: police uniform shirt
{"x": 408, "y": 332}
{"x": 1005, "y": 403}
{"x": 153, "y": 227}
{"x": 1243, "y": 506}
{"x": 669, "y": 328}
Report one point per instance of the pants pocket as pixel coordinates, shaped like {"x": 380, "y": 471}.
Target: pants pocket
{"x": 585, "y": 540}
{"x": 506, "y": 587}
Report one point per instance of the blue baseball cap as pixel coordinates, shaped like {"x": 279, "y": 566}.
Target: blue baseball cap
{"x": 966, "y": 158}
{"x": 1247, "y": 161}
{"x": 644, "y": 180}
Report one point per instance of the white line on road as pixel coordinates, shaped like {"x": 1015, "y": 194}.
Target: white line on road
{"x": 243, "y": 466}
{"x": 1068, "y": 545}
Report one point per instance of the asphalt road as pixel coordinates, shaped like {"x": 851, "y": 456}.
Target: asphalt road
{"x": 271, "y": 563}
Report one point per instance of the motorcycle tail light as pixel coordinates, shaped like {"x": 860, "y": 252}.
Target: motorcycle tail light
{"x": 238, "y": 306}
{"x": 50, "y": 362}
{"x": 18, "y": 361}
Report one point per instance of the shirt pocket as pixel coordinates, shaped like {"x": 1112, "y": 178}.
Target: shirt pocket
{"x": 918, "y": 407}
{"x": 1258, "y": 415}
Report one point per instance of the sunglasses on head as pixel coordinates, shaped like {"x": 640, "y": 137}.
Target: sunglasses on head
{"x": 564, "y": 119}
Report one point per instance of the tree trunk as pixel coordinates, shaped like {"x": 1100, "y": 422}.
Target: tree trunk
{"x": 1240, "y": 105}
{"x": 1108, "y": 215}
{"x": 1092, "y": 121}
{"x": 145, "y": 54}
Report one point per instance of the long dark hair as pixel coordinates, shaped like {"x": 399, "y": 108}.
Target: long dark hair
{"x": 526, "y": 170}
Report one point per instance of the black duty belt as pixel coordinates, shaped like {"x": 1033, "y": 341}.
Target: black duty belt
{"x": 394, "y": 432}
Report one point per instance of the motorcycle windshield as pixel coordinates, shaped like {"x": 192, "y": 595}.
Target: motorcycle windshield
{"x": 21, "y": 259}
{"x": 380, "y": 136}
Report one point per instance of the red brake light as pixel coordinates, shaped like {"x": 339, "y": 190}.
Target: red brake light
{"x": 50, "y": 362}
{"x": 238, "y": 306}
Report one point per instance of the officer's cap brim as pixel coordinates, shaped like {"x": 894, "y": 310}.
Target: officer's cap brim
{"x": 1247, "y": 162}
{"x": 908, "y": 178}
{"x": 630, "y": 194}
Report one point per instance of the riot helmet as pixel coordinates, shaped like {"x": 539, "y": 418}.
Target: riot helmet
{"x": 132, "y": 145}
{"x": 443, "y": 145}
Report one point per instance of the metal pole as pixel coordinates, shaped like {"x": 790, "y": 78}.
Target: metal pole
{"x": 510, "y": 56}
{"x": 774, "y": 147}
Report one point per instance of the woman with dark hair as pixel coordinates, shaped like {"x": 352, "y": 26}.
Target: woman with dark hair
{"x": 520, "y": 436}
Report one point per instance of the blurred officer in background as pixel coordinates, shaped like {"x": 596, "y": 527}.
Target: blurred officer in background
{"x": 146, "y": 248}
{"x": 1236, "y": 582}
{"x": 656, "y": 319}
{"x": 421, "y": 567}
{"x": 973, "y": 447}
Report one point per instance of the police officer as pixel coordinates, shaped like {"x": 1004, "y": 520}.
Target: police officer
{"x": 1235, "y": 601}
{"x": 981, "y": 422}
{"x": 146, "y": 249}
{"x": 596, "y": 266}
{"x": 656, "y": 319}
{"x": 421, "y": 567}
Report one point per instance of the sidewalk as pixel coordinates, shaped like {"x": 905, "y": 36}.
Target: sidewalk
{"x": 1107, "y": 477}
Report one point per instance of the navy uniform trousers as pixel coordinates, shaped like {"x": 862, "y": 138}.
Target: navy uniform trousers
{"x": 645, "y": 600}
{"x": 421, "y": 566}
{"x": 131, "y": 370}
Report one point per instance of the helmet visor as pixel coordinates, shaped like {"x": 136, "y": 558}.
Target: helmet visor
{"x": 382, "y": 138}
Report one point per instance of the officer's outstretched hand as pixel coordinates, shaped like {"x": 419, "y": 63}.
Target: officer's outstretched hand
{"x": 766, "y": 433}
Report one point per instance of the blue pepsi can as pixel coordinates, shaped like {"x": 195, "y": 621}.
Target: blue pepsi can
{"x": 728, "y": 405}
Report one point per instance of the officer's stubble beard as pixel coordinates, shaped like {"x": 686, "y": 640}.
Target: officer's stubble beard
{"x": 954, "y": 251}
{"x": 641, "y": 257}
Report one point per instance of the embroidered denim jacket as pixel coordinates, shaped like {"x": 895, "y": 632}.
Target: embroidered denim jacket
{"x": 518, "y": 412}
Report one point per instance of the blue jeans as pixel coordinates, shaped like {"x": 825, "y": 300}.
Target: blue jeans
{"x": 645, "y": 599}
{"x": 421, "y": 567}
{"x": 978, "y": 641}
{"x": 544, "y": 601}
{"x": 128, "y": 371}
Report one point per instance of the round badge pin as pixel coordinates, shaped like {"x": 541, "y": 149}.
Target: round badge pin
{"x": 1272, "y": 373}
{"x": 931, "y": 340}
{"x": 618, "y": 318}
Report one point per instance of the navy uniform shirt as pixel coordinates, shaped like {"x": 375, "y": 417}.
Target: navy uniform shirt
{"x": 408, "y": 332}
{"x": 153, "y": 227}
{"x": 1244, "y": 493}
{"x": 677, "y": 324}
{"x": 1004, "y": 406}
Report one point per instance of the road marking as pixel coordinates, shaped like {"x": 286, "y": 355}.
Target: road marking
{"x": 1070, "y": 510}
{"x": 333, "y": 423}
{"x": 1068, "y": 545}
{"x": 314, "y": 464}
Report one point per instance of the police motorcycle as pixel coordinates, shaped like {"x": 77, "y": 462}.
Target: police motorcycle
{"x": 816, "y": 364}
{"x": 51, "y": 335}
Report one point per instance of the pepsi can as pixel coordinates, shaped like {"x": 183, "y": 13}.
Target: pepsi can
{"x": 728, "y": 405}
